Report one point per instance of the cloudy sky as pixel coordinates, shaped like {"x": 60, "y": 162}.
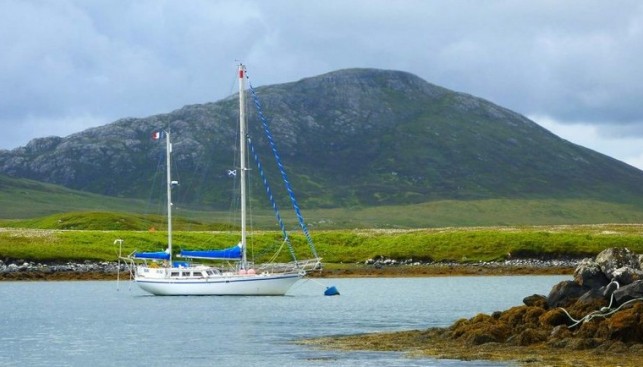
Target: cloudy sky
{"x": 575, "y": 67}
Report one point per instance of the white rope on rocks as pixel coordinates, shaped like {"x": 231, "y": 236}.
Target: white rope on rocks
{"x": 603, "y": 311}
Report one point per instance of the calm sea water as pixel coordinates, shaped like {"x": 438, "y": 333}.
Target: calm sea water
{"x": 94, "y": 324}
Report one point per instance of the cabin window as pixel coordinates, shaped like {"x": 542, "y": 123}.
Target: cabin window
{"x": 175, "y": 274}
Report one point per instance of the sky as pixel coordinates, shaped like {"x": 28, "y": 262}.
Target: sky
{"x": 574, "y": 67}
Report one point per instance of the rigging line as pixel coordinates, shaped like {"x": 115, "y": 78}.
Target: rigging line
{"x": 250, "y": 210}
{"x": 282, "y": 170}
{"x": 271, "y": 199}
{"x": 274, "y": 257}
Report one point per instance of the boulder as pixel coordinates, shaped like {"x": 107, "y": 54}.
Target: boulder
{"x": 626, "y": 275}
{"x": 614, "y": 263}
{"x": 628, "y": 292}
{"x": 593, "y": 297}
{"x": 554, "y": 318}
{"x": 565, "y": 293}
{"x": 589, "y": 274}
{"x": 535, "y": 300}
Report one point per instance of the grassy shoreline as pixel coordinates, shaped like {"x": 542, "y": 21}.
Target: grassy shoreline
{"x": 458, "y": 245}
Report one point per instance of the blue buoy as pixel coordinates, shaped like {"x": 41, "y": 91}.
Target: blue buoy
{"x": 331, "y": 291}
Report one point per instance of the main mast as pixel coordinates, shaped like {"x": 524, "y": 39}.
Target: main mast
{"x": 242, "y": 154}
{"x": 168, "y": 151}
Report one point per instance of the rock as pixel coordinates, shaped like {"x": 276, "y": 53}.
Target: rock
{"x": 626, "y": 275}
{"x": 628, "y": 292}
{"x": 595, "y": 297}
{"x": 613, "y": 260}
{"x": 609, "y": 289}
{"x": 565, "y": 293}
{"x": 535, "y": 300}
{"x": 555, "y": 317}
{"x": 589, "y": 274}
{"x": 543, "y": 322}
{"x": 627, "y": 325}
{"x": 85, "y": 267}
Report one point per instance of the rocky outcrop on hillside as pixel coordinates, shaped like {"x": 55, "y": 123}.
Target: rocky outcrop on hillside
{"x": 601, "y": 308}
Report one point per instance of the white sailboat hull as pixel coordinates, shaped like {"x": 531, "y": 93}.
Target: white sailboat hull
{"x": 233, "y": 285}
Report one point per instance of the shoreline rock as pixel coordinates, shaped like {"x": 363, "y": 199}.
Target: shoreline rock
{"x": 596, "y": 319}
{"x": 76, "y": 267}
{"x": 601, "y": 306}
{"x": 91, "y": 270}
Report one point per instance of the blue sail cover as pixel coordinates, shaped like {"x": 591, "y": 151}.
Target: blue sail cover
{"x": 230, "y": 253}
{"x": 161, "y": 255}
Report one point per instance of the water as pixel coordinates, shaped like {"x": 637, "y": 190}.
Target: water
{"x": 93, "y": 324}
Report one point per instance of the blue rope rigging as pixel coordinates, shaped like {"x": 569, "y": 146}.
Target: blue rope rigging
{"x": 264, "y": 123}
{"x": 272, "y": 199}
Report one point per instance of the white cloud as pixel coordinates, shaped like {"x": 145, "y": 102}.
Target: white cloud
{"x": 577, "y": 61}
{"x": 39, "y": 127}
{"x": 626, "y": 149}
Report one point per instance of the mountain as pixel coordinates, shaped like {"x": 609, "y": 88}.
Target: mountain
{"x": 350, "y": 138}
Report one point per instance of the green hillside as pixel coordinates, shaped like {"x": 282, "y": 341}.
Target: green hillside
{"x": 31, "y": 204}
{"x": 112, "y": 221}
{"x": 23, "y": 198}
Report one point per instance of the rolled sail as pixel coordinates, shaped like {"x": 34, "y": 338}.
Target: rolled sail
{"x": 160, "y": 255}
{"x": 230, "y": 253}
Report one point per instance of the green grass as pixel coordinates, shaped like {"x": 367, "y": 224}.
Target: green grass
{"x": 336, "y": 246}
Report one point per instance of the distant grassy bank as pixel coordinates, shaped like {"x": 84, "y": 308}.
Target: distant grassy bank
{"x": 462, "y": 245}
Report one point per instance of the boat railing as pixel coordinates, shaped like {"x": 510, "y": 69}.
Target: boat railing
{"x": 307, "y": 265}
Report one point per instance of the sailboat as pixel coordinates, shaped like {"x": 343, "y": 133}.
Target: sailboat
{"x": 160, "y": 274}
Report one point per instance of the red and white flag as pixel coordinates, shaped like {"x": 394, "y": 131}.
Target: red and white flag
{"x": 157, "y": 135}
